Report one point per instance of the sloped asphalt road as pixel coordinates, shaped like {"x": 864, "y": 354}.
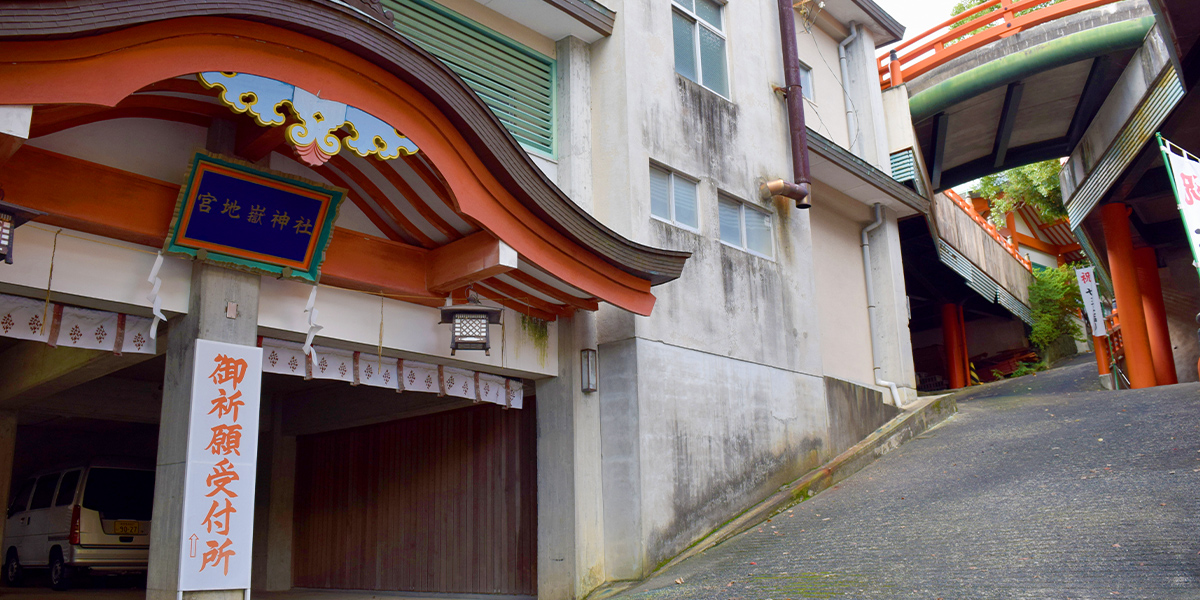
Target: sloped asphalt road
{"x": 1041, "y": 487}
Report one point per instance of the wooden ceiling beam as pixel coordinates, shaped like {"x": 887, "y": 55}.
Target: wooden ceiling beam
{"x": 474, "y": 258}
{"x": 549, "y": 290}
{"x": 413, "y": 198}
{"x": 381, "y": 199}
{"x": 524, "y": 297}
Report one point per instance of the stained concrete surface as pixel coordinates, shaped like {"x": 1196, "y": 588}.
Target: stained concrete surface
{"x": 1041, "y": 487}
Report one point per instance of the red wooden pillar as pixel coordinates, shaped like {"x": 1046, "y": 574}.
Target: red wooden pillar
{"x": 1102, "y": 360}
{"x": 952, "y": 343}
{"x": 1156, "y": 316}
{"x": 1138, "y": 357}
{"x": 962, "y": 342}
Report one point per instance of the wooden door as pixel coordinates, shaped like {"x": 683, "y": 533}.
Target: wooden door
{"x": 438, "y": 503}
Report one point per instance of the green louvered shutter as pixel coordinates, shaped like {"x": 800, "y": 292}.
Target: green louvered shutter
{"x": 516, "y": 82}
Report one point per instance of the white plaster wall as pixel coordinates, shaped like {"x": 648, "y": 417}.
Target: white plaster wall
{"x": 705, "y": 415}
{"x": 501, "y": 24}
{"x": 826, "y": 112}
{"x": 351, "y": 320}
{"x": 1039, "y": 258}
{"x": 106, "y": 274}
{"x": 159, "y": 149}
{"x": 92, "y": 271}
{"x": 716, "y": 398}
{"x": 841, "y": 291}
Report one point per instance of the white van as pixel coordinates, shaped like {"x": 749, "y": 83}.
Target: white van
{"x": 92, "y": 519}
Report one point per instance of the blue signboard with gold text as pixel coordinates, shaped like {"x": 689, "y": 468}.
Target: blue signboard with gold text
{"x": 249, "y": 218}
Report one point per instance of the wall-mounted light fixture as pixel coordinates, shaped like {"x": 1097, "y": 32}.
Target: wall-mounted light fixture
{"x": 469, "y": 324}
{"x": 11, "y": 217}
{"x": 589, "y": 370}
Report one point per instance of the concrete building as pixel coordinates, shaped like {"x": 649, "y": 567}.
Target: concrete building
{"x": 559, "y": 159}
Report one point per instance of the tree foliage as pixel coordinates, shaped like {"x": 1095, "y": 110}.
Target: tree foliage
{"x": 1054, "y": 298}
{"x": 1034, "y": 185}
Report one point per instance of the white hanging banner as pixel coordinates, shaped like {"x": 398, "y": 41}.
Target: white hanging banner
{"x": 1091, "y": 300}
{"x": 360, "y": 368}
{"x": 74, "y": 327}
{"x": 25, "y": 318}
{"x": 222, "y": 453}
{"x": 1185, "y": 179}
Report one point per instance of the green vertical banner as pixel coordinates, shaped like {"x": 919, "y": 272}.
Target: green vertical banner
{"x": 1184, "y": 170}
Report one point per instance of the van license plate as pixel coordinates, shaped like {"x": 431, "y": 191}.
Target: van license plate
{"x": 127, "y": 528}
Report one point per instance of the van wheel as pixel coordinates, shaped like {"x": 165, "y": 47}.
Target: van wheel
{"x": 60, "y": 573}
{"x": 12, "y": 569}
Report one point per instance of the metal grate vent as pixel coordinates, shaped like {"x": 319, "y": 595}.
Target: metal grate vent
{"x": 516, "y": 82}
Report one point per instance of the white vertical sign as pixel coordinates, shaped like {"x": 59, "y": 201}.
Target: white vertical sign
{"x": 1185, "y": 172}
{"x": 1091, "y": 300}
{"x": 222, "y": 453}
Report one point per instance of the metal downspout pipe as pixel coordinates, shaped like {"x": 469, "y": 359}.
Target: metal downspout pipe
{"x": 851, "y": 126}
{"x": 866, "y": 252}
{"x": 799, "y": 188}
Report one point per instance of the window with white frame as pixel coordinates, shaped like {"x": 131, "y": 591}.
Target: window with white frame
{"x": 745, "y": 226}
{"x": 699, "y": 33}
{"x": 673, "y": 198}
{"x": 806, "y": 82}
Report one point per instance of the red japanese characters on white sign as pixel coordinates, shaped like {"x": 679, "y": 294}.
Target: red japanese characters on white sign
{"x": 218, "y": 499}
{"x": 1091, "y": 299}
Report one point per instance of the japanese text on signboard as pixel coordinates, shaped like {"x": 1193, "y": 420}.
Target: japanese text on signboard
{"x": 222, "y": 444}
{"x": 253, "y": 218}
{"x": 1091, "y": 299}
{"x": 1185, "y": 173}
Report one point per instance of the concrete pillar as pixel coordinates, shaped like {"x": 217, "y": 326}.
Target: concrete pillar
{"x": 893, "y": 340}
{"x": 574, "y": 105}
{"x": 1146, "y": 263}
{"x": 1138, "y": 357}
{"x": 624, "y": 542}
{"x": 867, "y": 98}
{"x": 952, "y": 344}
{"x": 213, "y": 289}
{"x": 8, "y": 449}
{"x": 570, "y": 529}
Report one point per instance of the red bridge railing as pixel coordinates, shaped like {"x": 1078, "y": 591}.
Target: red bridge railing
{"x": 983, "y": 25}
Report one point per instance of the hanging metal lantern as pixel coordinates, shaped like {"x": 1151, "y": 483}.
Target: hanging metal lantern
{"x": 11, "y": 217}
{"x": 469, "y": 325}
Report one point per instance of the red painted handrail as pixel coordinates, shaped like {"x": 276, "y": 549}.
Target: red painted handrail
{"x": 942, "y": 44}
{"x": 989, "y": 228}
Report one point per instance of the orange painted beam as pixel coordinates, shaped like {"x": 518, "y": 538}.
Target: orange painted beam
{"x": 1146, "y": 263}
{"x": 358, "y": 201}
{"x": 104, "y": 69}
{"x": 539, "y": 285}
{"x": 474, "y": 258}
{"x": 1036, "y": 244}
{"x": 517, "y": 306}
{"x": 9, "y": 144}
{"x": 94, "y": 198}
{"x": 431, "y": 179}
{"x": 367, "y": 263}
{"x": 382, "y": 200}
{"x": 1138, "y": 356}
{"x": 527, "y": 298}
{"x": 121, "y": 205}
{"x": 413, "y": 199}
